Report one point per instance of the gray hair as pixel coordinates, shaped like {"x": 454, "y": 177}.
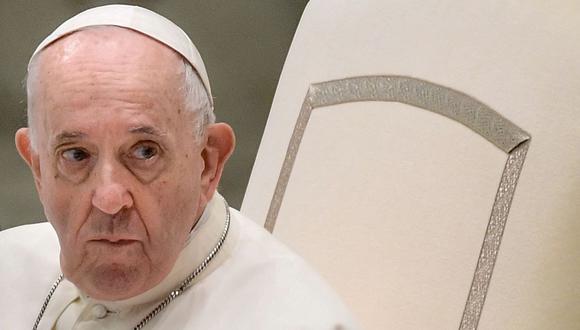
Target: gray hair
{"x": 196, "y": 99}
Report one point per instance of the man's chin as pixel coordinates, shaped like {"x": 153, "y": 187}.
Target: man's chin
{"x": 113, "y": 282}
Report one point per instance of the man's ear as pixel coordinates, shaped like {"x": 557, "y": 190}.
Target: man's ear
{"x": 24, "y": 147}
{"x": 220, "y": 142}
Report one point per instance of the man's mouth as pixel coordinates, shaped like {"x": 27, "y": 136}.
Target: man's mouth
{"x": 114, "y": 242}
{"x": 121, "y": 242}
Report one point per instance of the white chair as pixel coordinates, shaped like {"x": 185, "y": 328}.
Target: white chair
{"x": 392, "y": 153}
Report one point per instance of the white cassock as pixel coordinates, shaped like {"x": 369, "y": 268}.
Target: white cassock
{"x": 254, "y": 282}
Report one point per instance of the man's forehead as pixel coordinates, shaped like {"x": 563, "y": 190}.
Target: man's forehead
{"x": 138, "y": 19}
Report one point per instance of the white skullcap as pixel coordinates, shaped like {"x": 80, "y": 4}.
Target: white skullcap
{"x": 141, "y": 20}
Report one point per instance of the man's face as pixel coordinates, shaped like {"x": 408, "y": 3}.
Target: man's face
{"x": 118, "y": 164}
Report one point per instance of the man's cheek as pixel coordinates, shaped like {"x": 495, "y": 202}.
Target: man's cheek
{"x": 64, "y": 213}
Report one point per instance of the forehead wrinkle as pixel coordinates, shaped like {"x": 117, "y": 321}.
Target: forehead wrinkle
{"x": 102, "y": 74}
{"x": 100, "y": 88}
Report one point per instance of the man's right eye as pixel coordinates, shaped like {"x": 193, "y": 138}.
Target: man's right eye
{"x": 75, "y": 155}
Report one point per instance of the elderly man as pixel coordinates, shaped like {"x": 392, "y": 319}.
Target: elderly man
{"x": 126, "y": 159}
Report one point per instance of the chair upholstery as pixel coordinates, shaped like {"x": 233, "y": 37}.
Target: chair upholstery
{"x": 424, "y": 156}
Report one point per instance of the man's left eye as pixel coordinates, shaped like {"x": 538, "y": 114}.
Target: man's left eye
{"x": 144, "y": 151}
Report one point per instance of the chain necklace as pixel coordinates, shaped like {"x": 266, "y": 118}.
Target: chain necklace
{"x": 184, "y": 285}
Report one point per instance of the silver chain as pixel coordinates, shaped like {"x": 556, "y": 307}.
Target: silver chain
{"x": 50, "y": 293}
{"x": 184, "y": 285}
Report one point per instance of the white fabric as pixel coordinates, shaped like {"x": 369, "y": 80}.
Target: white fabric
{"x": 138, "y": 19}
{"x": 254, "y": 283}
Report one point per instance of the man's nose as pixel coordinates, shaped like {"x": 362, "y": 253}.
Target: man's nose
{"x": 111, "y": 194}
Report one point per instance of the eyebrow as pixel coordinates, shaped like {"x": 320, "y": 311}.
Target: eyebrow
{"x": 149, "y": 130}
{"x": 69, "y": 136}
{"x": 76, "y": 135}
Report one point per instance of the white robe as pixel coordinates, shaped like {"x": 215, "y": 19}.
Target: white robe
{"x": 253, "y": 283}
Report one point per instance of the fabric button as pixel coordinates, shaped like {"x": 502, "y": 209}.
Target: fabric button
{"x": 99, "y": 311}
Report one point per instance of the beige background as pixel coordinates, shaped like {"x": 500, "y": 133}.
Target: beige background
{"x": 243, "y": 44}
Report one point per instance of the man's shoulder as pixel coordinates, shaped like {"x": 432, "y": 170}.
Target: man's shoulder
{"x": 255, "y": 241}
{"x": 34, "y": 238}
{"x": 29, "y": 264}
{"x": 280, "y": 284}
{"x": 28, "y": 249}
{"x": 40, "y": 227}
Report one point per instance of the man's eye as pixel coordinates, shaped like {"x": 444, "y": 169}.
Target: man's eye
{"x": 75, "y": 155}
{"x": 144, "y": 151}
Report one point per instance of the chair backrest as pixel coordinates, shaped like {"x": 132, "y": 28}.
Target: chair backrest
{"x": 392, "y": 154}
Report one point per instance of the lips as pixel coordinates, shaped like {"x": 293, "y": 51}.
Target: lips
{"x": 120, "y": 242}
{"x": 114, "y": 241}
